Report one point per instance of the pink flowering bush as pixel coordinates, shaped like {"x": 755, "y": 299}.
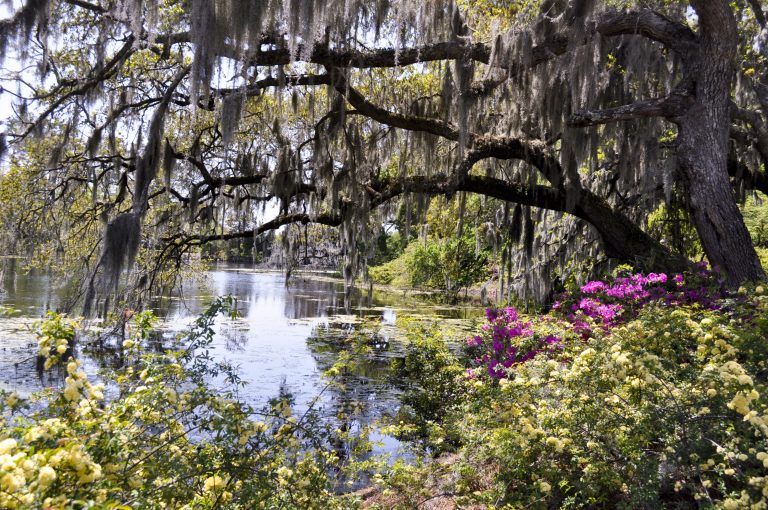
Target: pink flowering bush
{"x": 611, "y": 303}
{"x": 506, "y": 340}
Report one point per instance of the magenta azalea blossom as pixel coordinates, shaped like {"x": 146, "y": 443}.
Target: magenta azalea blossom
{"x": 593, "y": 287}
{"x": 505, "y": 340}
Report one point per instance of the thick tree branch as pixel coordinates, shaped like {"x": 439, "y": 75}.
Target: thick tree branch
{"x": 621, "y": 238}
{"x": 331, "y": 220}
{"x": 88, "y": 6}
{"x": 534, "y": 152}
{"x": 758, "y": 10}
{"x": 648, "y": 23}
{"x": 669, "y": 107}
{"x": 398, "y": 120}
{"x": 645, "y": 22}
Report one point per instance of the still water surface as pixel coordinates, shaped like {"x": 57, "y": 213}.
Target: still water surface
{"x": 285, "y": 337}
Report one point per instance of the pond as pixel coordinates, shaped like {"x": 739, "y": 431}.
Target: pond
{"x": 285, "y": 337}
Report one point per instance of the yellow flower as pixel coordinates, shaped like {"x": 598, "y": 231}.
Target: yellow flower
{"x": 71, "y": 392}
{"x": 12, "y": 482}
{"x": 127, "y": 344}
{"x": 7, "y": 445}
{"x": 283, "y": 474}
{"x": 545, "y": 487}
{"x": 214, "y": 483}
{"x": 91, "y": 473}
{"x": 46, "y": 476}
{"x": 740, "y": 404}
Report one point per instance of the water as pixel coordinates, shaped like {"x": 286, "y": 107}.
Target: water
{"x": 285, "y": 337}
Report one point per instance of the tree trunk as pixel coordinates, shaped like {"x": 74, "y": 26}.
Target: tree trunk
{"x": 703, "y": 147}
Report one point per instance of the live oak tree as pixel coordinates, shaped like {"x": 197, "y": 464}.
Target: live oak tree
{"x": 183, "y": 119}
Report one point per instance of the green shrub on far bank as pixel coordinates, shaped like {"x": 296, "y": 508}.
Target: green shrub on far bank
{"x": 446, "y": 265}
{"x": 393, "y": 272}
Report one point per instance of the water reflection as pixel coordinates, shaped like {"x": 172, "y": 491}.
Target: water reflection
{"x": 286, "y": 334}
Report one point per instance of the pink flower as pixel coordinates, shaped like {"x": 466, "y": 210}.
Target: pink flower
{"x": 593, "y": 287}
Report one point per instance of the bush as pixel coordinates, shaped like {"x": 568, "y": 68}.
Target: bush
{"x": 389, "y": 273}
{"x": 430, "y": 377}
{"x": 660, "y": 404}
{"x": 446, "y": 265}
{"x": 667, "y": 409}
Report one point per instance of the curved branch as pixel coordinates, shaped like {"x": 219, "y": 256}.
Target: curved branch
{"x": 621, "y": 238}
{"x": 646, "y": 22}
{"x": 669, "y": 107}
{"x": 398, "y": 120}
{"x": 330, "y": 220}
{"x": 534, "y": 152}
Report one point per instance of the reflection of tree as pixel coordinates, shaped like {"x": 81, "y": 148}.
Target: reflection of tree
{"x": 309, "y": 297}
{"x": 7, "y": 276}
{"x": 33, "y": 289}
{"x": 362, "y": 391}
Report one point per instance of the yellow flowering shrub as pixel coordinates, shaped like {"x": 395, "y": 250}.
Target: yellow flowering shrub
{"x": 163, "y": 438}
{"x": 669, "y": 409}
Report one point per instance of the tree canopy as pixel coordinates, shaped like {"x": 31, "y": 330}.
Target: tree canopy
{"x": 142, "y": 130}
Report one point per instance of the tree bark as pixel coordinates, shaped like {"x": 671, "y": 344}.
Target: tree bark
{"x": 703, "y": 147}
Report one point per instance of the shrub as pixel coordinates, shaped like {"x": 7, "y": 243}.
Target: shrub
{"x": 667, "y": 409}
{"x": 662, "y": 403}
{"x": 446, "y": 265}
{"x": 389, "y": 273}
{"x": 430, "y": 377}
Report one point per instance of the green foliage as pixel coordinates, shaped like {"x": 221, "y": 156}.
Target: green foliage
{"x": 671, "y": 225}
{"x": 448, "y": 265}
{"x": 429, "y": 375}
{"x": 755, "y": 211}
{"x": 388, "y": 247}
{"x": 54, "y": 337}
